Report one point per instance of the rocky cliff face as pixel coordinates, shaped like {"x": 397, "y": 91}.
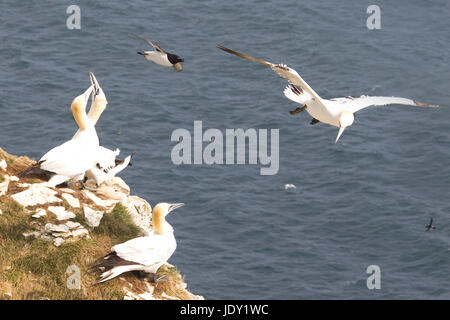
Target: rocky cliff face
{"x": 49, "y": 237}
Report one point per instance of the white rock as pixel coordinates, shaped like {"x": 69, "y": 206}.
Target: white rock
{"x": 79, "y": 233}
{"x": 148, "y": 295}
{"x": 14, "y": 178}
{"x": 140, "y": 211}
{"x": 50, "y": 227}
{"x": 4, "y": 185}
{"x": 3, "y": 165}
{"x": 1, "y": 212}
{"x": 101, "y": 203}
{"x": 61, "y": 235}
{"x": 36, "y": 194}
{"x": 73, "y": 225}
{"x": 23, "y": 185}
{"x": 73, "y": 202}
{"x": 46, "y": 237}
{"x": 61, "y": 213}
{"x": 58, "y": 241}
{"x": 39, "y": 213}
{"x": 31, "y": 234}
{"x": 166, "y": 296}
{"x": 92, "y": 217}
{"x": 67, "y": 190}
{"x": 112, "y": 192}
{"x": 118, "y": 183}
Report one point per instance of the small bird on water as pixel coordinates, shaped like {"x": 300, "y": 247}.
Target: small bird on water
{"x": 162, "y": 57}
{"x": 430, "y": 226}
{"x": 143, "y": 254}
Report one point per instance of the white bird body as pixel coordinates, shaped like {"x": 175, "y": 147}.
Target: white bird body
{"x": 150, "y": 251}
{"x": 162, "y": 57}
{"x": 158, "y": 58}
{"x": 338, "y": 112}
{"x": 72, "y": 157}
{"x": 146, "y": 253}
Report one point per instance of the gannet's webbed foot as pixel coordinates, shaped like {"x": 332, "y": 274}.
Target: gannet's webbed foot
{"x": 314, "y": 121}
{"x": 297, "y": 110}
{"x": 151, "y": 277}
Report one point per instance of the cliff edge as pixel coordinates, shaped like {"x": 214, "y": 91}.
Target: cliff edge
{"x": 49, "y": 237}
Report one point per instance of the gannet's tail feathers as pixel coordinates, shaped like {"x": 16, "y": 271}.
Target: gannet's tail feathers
{"x": 356, "y": 104}
{"x": 35, "y": 171}
{"x": 112, "y": 265}
{"x": 127, "y": 159}
{"x": 295, "y": 94}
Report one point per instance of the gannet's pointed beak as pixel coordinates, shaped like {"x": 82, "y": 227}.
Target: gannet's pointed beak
{"x": 341, "y": 131}
{"x": 94, "y": 82}
{"x": 174, "y": 206}
{"x": 86, "y": 94}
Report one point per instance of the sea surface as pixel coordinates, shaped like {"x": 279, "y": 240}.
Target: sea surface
{"x": 363, "y": 201}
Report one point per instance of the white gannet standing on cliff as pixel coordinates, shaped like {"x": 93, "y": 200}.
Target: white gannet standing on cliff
{"x": 75, "y": 156}
{"x": 338, "y": 112}
{"x": 162, "y": 57}
{"x": 145, "y": 254}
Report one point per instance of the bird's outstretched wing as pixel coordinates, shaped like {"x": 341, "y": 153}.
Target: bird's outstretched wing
{"x": 282, "y": 70}
{"x": 356, "y": 104}
{"x": 153, "y": 44}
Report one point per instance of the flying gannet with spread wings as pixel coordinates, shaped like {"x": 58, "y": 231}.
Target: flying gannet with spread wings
{"x": 338, "y": 112}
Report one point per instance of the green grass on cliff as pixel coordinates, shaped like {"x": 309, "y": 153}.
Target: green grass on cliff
{"x": 118, "y": 224}
{"x": 36, "y": 269}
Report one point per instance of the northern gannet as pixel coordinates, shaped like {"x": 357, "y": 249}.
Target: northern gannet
{"x": 144, "y": 254}
{"x": 162, "y": 57}
{"x": 338, "y": 112}
{"x": 430, "y": 226}
{"x": 75, "y": 156}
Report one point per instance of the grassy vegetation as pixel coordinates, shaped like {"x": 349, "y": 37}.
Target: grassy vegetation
{"x": 36, "y": 269}
{"x": 118, "y": 225}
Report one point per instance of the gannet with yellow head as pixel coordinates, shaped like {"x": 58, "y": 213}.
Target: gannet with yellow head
{"x": 145, "y": 254}
{"x": 75, "y": 156}
{"x": 338, "y": 112}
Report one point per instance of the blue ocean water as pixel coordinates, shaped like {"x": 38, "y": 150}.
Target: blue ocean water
{"x": 364, "y": 201}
